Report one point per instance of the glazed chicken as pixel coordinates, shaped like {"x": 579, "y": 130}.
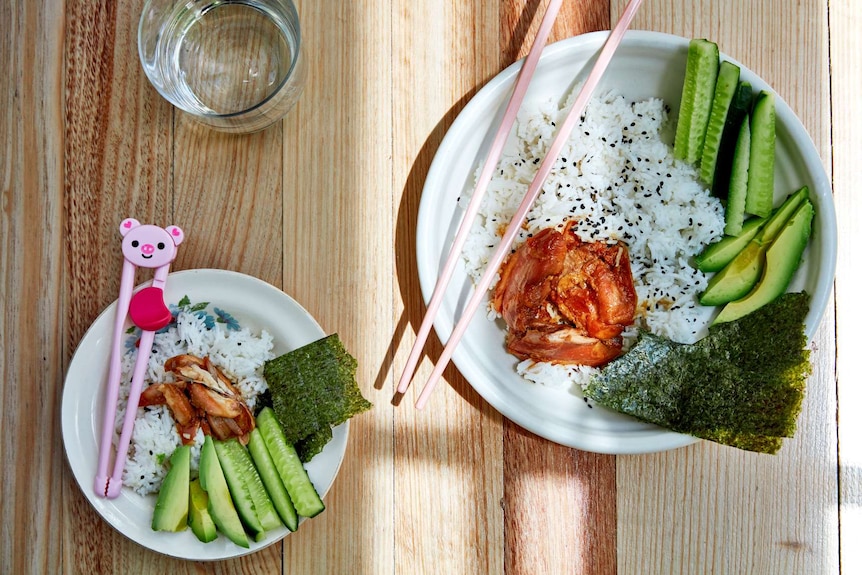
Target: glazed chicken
{"x": 564, "y": 300}
{"x": 202, "y": 397}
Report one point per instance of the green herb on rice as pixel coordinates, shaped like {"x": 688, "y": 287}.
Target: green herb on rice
{"x": 312, "y": 389}
{"x": 741, "y": 385}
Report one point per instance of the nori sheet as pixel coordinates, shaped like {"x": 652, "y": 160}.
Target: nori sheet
{"x": 741, "y": 385}
{"x": 312, "y": 389}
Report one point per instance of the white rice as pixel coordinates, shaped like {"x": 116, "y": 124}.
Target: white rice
{"x": 617, "y": 178}
{"x": 238, "y": 352}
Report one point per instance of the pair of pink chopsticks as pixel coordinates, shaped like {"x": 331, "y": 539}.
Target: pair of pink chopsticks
{"x": 145, "y": 246}
{"x": 535, "y": 188}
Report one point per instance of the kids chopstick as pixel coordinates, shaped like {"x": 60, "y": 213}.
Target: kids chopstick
{"x": 145, "y": 246}
{"x": 521, "y": 85}
{"x": 535, "y": 188}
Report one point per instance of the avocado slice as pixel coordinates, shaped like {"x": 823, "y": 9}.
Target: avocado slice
{"x": 220, "y": 504}
{"x": 782, "y": 260}
{"x": 719, "y": 254}
{"x": 200, "y": 520}
{"x": 172, "y": 505}
{"x": 740, "y": 276}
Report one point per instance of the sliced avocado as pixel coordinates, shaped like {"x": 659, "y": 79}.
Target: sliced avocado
{"x": 220, "y": 504}
{"x": 782, "y": 260}
{"x": 775, "y": 223}
{"x": 247, "y": 490}
{"x": 200, "y": 520}
{"x": 738, "y": 277}
{"x": 172, "y": 505}
{"x": 719, "y": 254}
{"x": 272, "y": 480}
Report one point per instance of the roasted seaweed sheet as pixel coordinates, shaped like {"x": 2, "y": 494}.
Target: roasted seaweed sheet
{"x": 741, "y": 385}
{"x": 312, "y": 389}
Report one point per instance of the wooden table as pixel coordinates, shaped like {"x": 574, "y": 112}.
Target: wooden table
{"x": 324, "y": 206}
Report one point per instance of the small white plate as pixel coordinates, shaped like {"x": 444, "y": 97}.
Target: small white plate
{"x": 256, "y": 305}
{"x": 646, "y": 65}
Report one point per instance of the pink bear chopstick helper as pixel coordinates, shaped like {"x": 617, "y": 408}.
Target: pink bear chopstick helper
{"x": 145, "y": 246}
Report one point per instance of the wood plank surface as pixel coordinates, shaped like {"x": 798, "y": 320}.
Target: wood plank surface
{"x": 448, "y": 457}
{"x": 31, "y": 325}
{"x": 578, "y": 488}
{"x": 845, "y": 51}
{"x": 668, "y": 503}
{"x": 324, "y": 206}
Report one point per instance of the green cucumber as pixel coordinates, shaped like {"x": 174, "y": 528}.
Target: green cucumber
{"x": 271, "y": 479}
{"x": 219, "y": 502}
{"x": 243, "y": 478}
{"x": 725, "y": 90}
{"x": 734, "y": 212}
{"x": 739, "y": 108}
{"x": 701, "y": 72}
{"x": 240, "y": 491}
{"x": 719, "y": 254}
{"x": 761, "y": 171}
{"x": 305, "y": 498}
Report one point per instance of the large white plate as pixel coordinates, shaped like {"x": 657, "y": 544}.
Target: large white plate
{"x": 647, "y": 64}
{"x": 256, "y": 305}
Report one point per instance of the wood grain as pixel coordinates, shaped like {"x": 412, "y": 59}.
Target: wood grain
{"x": 31, "y": 325}
{"x": 449, "y": 456}
{"x": 338, "y": 204}
{"x": 577, "y": 488}
{"x": 668, "y": 503}
{"x": 324, "y": 205}
{"x": 846, "y": 62}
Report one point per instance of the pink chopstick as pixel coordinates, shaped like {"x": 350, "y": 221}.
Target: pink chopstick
{"x": 521, "y": 85}
{"x": 502, "y": 251}
{"x": 145, "y": 246}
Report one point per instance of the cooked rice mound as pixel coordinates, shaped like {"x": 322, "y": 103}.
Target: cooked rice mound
{"x": 239, "y": 353}
{"x": 616, "y": 177}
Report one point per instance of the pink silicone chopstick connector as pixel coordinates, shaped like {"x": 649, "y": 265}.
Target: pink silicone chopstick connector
{"x": 496, "y": 149}
{"x": 580, "y": 104}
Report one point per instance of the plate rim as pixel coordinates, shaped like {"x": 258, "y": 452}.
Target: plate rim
{"x": 503, "y": 81}
{"x": 69, "y": 418}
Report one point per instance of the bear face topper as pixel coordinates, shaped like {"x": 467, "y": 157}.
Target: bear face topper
{"x": 149, "y": 246}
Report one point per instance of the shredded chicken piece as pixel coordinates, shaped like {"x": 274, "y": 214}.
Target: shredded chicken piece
{"x": 202, "y": 398}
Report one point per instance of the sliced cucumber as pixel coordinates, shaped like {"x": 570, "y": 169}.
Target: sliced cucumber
{"x": 739, "y": 109}
{"x": 305, "y": 498}
{"x": 219, "y": 503}
{"x": 725, "y": 90}
{"x": 271, "y": 479}
{"x": 701, "y": 71}
{"x": 240, "y": 492}
{"x": 242, "y": 475}
{"x": 761, "y": 171}
{"x": 734, "y": 212}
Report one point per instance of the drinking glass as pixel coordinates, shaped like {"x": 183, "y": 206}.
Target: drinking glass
{"x": 234, "y": 65}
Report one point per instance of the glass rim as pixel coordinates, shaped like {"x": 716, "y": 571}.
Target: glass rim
{"x": 231, "y": 115}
